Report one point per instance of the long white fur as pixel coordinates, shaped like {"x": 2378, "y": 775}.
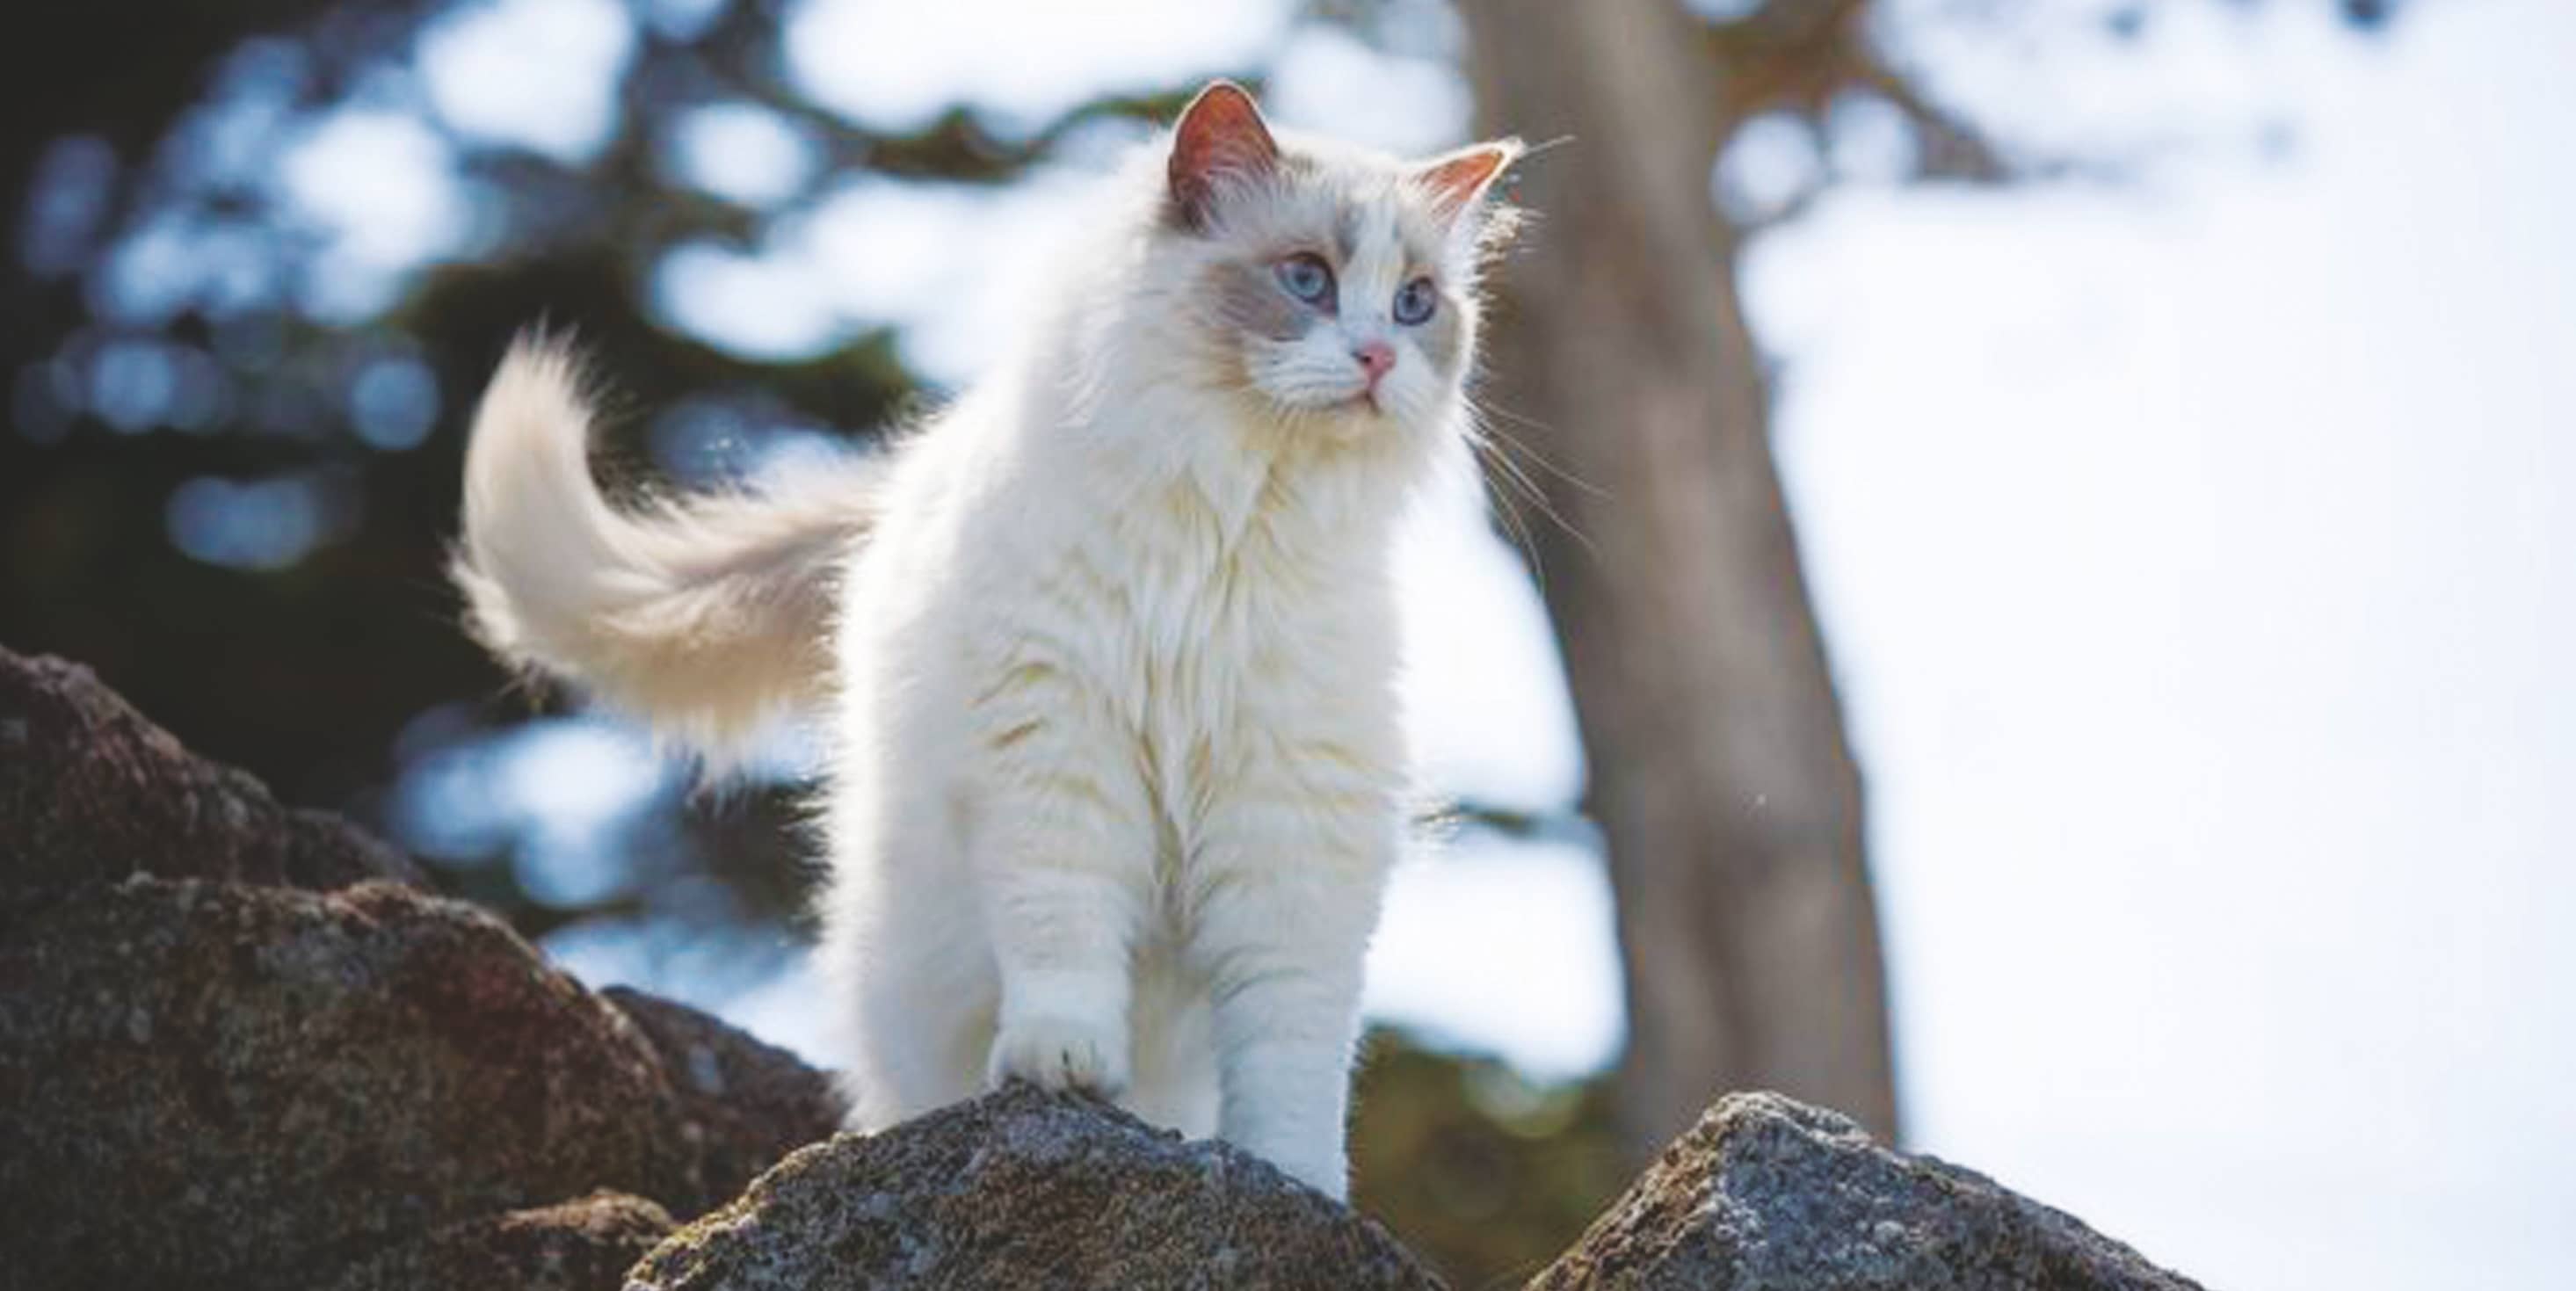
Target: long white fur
{"x": 1118, "y": 771}
{"x": 707, "y": 617}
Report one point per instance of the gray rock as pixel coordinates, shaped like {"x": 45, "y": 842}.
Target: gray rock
{"x": 1768, "y": 1194}
{"x": 92, "y": 790}
{"x": 218, "y": 1085}
{"x": 747, "y": 1104}
{"x": 210, "y": 1079}
{"x": 1023, "y": 1189}
{"x": 583, "y": 1245}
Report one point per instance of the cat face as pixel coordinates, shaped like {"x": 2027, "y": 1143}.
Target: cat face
{"x": 1333, "y": 289}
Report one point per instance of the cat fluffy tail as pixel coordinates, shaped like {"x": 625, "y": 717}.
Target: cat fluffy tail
{"x": 707, "y": 616}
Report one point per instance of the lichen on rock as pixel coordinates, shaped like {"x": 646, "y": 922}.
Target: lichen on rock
{"x": 1026, "y": 1189}
{"x": 1768, "y": 1194}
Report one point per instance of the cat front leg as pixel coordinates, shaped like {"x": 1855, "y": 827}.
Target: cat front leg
{"x": 1063, "y": 871}
{"x": 1284, "y": 909}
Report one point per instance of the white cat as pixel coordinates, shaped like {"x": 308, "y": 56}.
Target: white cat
{"x": 1118, "y": 771}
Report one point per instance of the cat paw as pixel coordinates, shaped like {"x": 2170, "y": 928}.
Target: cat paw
{"x": 1061, "y": 1053}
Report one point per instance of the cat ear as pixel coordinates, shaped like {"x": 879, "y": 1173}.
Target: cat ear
{"x": 1220, "y": 140}
{"x": 1456, "y": 182}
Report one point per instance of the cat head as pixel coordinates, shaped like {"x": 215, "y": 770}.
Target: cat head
{"x": 1330, "y": 289}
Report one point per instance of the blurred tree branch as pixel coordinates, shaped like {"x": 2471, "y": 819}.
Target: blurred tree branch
{"x": 1800, "y": 56}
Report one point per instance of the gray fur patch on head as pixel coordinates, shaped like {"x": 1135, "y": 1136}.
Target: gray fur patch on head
{"x": 1444, "y": 337}
{"x": 1248, "y": 300}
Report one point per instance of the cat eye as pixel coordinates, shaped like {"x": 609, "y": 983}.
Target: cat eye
{"x": 1415, "y": 301}
{"x": 1306, "y": 277}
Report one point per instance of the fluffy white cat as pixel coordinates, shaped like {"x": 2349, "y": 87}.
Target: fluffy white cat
{"x": 1117, "y": 770}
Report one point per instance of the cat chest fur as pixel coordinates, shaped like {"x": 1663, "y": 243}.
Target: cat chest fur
{"x": 1201, "y": 657}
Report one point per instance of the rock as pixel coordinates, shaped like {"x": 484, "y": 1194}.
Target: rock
{"x": 238, "y": 1053}
{"x": 209, "y": 1078}
{"x": 209, "y": 1084}
{"x": 1024, "y": 1189}
{"x": 90, "y": 790}
{"x": 584, "y": 1245}
{"x": 747, "y": 1103}
{"x": 1768, "y": 1194}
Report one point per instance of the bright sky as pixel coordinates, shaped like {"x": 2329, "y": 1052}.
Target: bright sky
{"x": 2193, "y": 552}
{"x": 2196, "y": 559}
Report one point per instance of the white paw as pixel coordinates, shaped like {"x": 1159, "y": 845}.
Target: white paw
{"x": 1061, "y": 1053}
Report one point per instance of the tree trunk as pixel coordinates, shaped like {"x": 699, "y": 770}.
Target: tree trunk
{"x": 1720, "y": 772}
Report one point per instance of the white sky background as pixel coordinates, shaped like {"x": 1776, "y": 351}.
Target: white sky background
{"x": 2195, "y": 556}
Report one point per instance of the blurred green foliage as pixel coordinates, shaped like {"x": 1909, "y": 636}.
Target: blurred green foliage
{"x": 1483, "y": 1172}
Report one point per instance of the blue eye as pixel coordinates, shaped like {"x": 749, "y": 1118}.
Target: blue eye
{"x": 1415, "y": 301}
{"x": 1306, "y": 277}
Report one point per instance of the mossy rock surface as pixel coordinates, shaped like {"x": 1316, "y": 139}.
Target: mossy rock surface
{"x": 241, "y": 1047}
{"x": 1024, "y": 1189}
{"x": 216, "y": 1084}
{"x": 1766, "y": 1193}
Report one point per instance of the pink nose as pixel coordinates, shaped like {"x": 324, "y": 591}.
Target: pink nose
{"x": 1375, "y": 358}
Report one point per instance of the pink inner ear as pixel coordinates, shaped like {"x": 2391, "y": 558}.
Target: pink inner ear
{"x": 1458, "y": 179}
{"x": 1220, "y": 133}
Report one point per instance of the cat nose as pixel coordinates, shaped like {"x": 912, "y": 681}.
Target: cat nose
{"x": 1375, "y": 358}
